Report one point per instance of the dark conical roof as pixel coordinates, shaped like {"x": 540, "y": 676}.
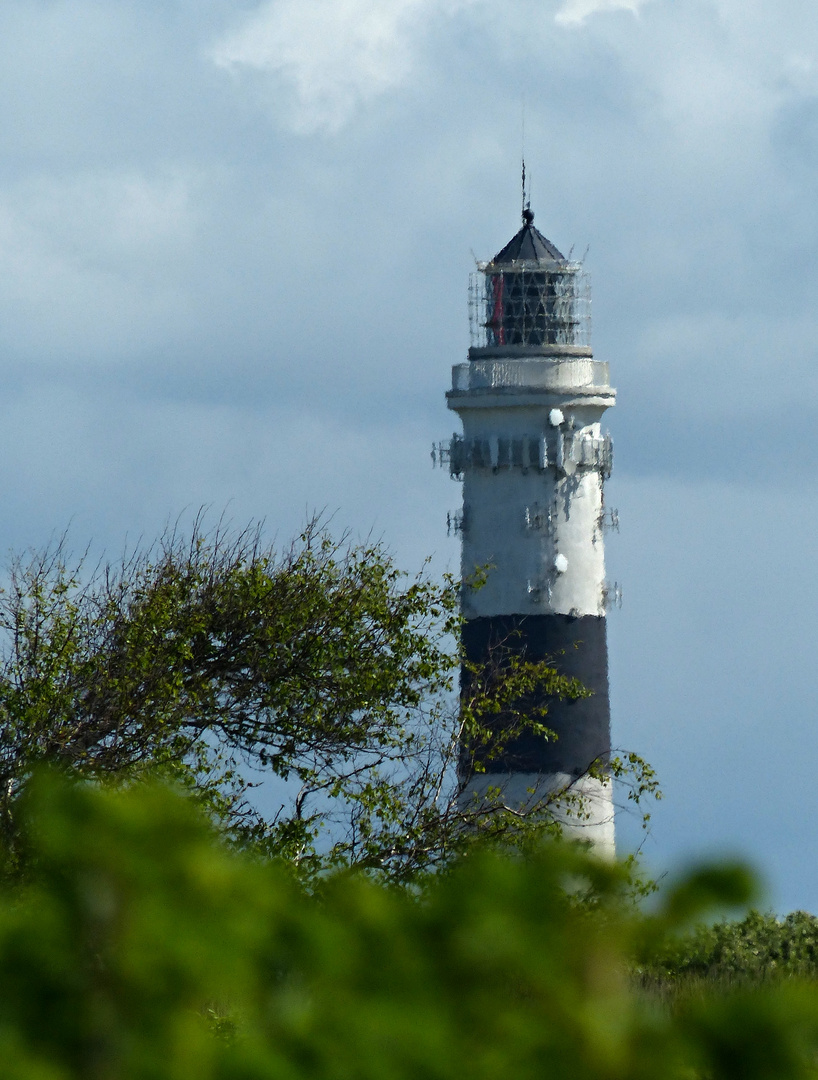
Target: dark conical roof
{"x": 529, "y": 245}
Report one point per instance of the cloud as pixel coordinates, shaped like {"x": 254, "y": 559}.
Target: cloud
{"x": 332, "y": 55}
{"x": 92, "y": 260}
{"x": 573, "y": 12}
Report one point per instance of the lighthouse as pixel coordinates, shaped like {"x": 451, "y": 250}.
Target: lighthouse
{"x": 533, "y": 459}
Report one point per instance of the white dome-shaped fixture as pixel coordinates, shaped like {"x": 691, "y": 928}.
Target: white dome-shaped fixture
{"x": 556, "y": 417}
{"x": 560, "y": 563}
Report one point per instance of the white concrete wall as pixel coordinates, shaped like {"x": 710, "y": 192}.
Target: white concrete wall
{"x": 538, "y": 529}
{"x": 558, "y": 567}
{"x": 583, "y": 807}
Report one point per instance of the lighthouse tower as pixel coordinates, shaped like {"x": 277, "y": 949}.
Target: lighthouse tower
{"x": 533, "y": 460}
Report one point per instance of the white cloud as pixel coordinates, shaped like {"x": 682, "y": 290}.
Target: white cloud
{"x": 333, "y": 55}
{"x": 573, "y": 12}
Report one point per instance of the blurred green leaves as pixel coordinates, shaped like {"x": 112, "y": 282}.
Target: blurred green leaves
{"x": 140, "y": 946}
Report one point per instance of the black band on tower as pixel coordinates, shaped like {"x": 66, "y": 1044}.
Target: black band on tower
{"x": 577, "y": 646}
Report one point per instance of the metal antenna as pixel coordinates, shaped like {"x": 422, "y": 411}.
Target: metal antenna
{"x": 528, "y": 217}
{"x": 526, "y": 202}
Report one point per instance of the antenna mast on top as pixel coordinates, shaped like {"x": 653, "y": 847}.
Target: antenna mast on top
{"x": 526, "y": 203}
{"x": 528, "y": 217}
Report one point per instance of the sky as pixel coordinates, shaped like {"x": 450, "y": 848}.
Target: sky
{"x": 235, "y": 240}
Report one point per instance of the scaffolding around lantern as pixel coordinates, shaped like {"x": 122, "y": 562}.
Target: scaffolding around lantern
{"x": 529, "y": 304}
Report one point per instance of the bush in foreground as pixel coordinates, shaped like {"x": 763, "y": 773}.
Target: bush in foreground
{"x": 139, "y": 946}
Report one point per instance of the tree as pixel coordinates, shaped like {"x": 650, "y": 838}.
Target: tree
{"x": 218, "y": 662}
{"x": 758, "y": 948}
{"x": 141, "y": 947}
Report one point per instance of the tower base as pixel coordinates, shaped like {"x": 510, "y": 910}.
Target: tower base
{"x": 583, "y": 807}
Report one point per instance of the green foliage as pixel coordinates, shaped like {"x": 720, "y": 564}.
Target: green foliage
{"x": 212, "y": 659}
{"x": 142, "y": 947}
{"x": 753, "y": 949}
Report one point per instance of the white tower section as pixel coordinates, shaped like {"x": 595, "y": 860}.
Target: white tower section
{"x": 533, "y": 458}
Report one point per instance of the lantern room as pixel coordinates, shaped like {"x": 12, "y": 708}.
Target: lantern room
{"x": 529, "y": 296}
